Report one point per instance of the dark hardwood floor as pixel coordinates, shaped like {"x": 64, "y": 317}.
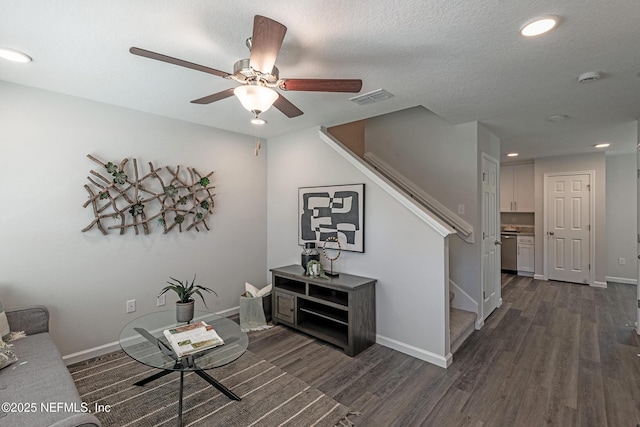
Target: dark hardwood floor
{"x": 553, "y": 354}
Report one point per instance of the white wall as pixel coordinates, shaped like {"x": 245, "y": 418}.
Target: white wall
{"x": 573, "y": 163}
{"x": 621, "y": 218}
{"x": 85, "y": 278}
{"x": 441, "y": 159}
{"x": 401, "y": 251}
{"x": 487, "y": 143}
{"x": 429, "y": 151}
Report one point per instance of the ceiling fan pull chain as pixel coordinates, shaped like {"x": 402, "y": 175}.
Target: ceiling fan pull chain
{"x": 258, "y": 146}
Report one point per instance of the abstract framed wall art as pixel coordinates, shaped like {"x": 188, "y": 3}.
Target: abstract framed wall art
{"x": 332, "y": 211}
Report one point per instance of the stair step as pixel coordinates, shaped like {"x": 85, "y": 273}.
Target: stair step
{"x": 461, "y": 325}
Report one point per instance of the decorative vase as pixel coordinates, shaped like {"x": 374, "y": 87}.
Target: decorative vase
{"x": 309, "y": 253}
{"x": 184, "y": 311}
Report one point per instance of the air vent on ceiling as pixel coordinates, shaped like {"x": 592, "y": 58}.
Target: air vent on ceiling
{"x": 371, "y": 97}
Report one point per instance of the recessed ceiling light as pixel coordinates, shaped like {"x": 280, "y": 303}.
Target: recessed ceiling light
{"x": 14, "y": 55}
{"x": 539, "y": 25}
{"x": 512, "y": 155}
{"x": 589, "y": 77}
{"x": 603, "y": 145}
{"x": 557, "y": 118}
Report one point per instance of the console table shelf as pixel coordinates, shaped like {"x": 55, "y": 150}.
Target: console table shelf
{"x": 340, "y": 310}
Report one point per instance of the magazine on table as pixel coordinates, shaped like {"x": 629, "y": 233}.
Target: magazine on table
{"x": 192, "y": 338}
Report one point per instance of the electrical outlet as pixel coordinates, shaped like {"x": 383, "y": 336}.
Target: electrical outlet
{"x": 131, "y": 306}
{"x": 160, "y": 301}
{"x": 621, "y": 261}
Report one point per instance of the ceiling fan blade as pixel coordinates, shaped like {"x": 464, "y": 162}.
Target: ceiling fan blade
{"x": 284, "y": 105}
{"x": 175, "y": 61}
{"x": 265, "y": 43}
{"x": 215, "y": 97}
{"x": 322, "y": 85}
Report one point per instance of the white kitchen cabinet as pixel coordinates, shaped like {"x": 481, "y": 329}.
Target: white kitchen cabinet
{"x": 517, "y": 188}
{"x": 526, "y": 257}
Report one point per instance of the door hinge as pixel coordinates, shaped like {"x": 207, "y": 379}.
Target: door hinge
{"x": 589, "y": 227}
{"x": 484, "y": 295}
{"x": 588, "y": 187}
{"x": 589, "y": 266}
{"x": 639, "y": 303}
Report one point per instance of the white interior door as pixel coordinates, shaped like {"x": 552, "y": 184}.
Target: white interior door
{"x": 638, "y": 231}
{"x": 490, "y": 237}
{"x": 568, "y": 233}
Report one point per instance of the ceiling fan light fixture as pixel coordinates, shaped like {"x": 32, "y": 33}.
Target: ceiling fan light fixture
{"x": 258, "y": 121}
{"x": 257, "y": 75}
{"x": 539, "y": 25}
{"x": 255, "y": 98}
{"x": 14, "y": 55}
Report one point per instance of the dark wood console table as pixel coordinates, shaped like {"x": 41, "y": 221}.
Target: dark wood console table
{"x": 339, "y": 310}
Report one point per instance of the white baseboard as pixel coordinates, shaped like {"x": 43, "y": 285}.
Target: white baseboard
{"x": 538, "y": 276}
{"x": 89, "y": 353}
{"x": 229, "y": 312}
{"x": 597, "y": 284}
{"x": 479, "y": 324}
{"x": 418, "y": 353}
{"x": 621, "y": 280}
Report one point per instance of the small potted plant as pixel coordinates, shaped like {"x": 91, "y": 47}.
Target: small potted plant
{"x": 185, "y": 290}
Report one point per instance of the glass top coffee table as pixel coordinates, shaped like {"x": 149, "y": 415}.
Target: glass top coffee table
{"x": 143, "y": 340}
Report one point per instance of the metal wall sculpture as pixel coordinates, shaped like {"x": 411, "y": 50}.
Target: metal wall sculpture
{"x": 169, "y": 197}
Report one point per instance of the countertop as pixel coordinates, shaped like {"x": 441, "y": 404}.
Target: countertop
{"x": 517, "y": 230}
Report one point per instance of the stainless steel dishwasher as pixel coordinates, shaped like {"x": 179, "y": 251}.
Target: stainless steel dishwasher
{"x": 509, "y": 252}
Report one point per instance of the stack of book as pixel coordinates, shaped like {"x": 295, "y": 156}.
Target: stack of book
{"x": 192, "y": 338}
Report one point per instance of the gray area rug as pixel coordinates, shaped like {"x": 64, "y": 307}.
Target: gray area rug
{"x": 270, "y": 396}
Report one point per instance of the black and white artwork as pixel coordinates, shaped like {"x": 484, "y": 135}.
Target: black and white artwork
{"x": 332, "y": 211}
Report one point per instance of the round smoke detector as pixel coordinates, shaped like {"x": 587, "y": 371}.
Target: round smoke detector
{"x": 591, "y": 76}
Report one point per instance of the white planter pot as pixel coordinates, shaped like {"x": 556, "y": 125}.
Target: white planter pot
{"x": 184, "y": 311}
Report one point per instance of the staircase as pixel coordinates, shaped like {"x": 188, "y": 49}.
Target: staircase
{"x": 461, "y": 322}
{"x": 462, "y": 227}
{"x": 461, "y": 325}
{"x": 442, "y": 220}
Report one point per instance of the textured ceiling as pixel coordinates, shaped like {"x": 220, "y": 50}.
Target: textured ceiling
{"x": 463, "y": 60}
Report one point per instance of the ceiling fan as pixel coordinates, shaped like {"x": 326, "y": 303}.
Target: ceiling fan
{"x": 258, "y": 74}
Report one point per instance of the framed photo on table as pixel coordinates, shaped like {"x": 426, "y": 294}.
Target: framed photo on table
{"x": 332, "y": 211}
